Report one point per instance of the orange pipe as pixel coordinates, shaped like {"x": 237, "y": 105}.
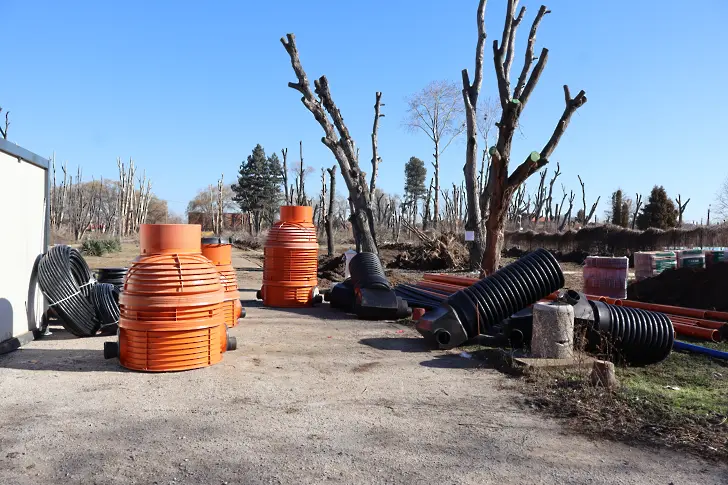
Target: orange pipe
{"x": 453, "y": 280}
{"x": 699, "y": 322}
{"x": 439, "y": 286}
{"x": 695, "y": 331}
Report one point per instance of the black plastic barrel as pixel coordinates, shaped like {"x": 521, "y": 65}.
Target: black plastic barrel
{"x": 113, "y": 276}
{"x": 510, "y": 289}
{"x": 367, "y": 272}
{"x": 637, "y": 336}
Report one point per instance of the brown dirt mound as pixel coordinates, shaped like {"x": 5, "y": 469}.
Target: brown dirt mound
{"x": 444, "y": 252}
{"x": 687, "y": 287}
{"x": 330, "y": 268}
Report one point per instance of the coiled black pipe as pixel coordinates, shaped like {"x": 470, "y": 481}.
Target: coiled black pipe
{"x": 637, "y": 336}
{"x": 510, "y": 289}
{"x": 114, "y": 276}
{"x": 105, "y": 298}
{"x": 367, "y": 272}
{"x": 65, "y": 280}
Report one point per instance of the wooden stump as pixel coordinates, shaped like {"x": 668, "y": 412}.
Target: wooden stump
{"x": 603, "y": 375}
{"x": 553, "y": 331}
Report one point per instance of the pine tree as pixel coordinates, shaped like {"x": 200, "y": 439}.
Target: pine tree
{"x": 617, "y": 204}
{"x": 415, "y": 174}
{"x": 659, "y": 212}
{"x": 258, "y": 189}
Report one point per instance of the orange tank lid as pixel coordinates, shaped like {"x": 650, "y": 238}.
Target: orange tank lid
{"x": 296, "y": 213}
{"x": 170, "y": 238}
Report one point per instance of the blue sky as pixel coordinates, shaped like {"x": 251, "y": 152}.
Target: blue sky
{"x": 188, "y": 88}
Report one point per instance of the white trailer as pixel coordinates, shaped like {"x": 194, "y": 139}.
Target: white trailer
{"x": 24, "y": 233}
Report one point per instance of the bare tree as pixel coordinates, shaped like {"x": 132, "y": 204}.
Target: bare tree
{"x": 341, "y": 144}
{"x": 437, "y": 111}
{"x": 133, "y": 203}
{"x": 721, "y": 200}
{"x": 539, "y": 197}
{"x": 284, "y": 174}
{"x": 59, "y": 195}
{"x": 501, "y": 185}
{"x": 4, "y": 132}
{"x": 590, "y": 214}
{"x": 567, "y": 216}
{"x": 301, "y": 198}
{"x": 82, "y": 201}
{"x": 549, "y": 198}
{"x": 680, "y": 209}
{"x": 637, "y": 206}
{"x": 328, "y": 222}
{"x": 376, "y": 159}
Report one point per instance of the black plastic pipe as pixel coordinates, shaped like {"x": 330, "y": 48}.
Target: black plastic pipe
{"x": 474, "y": 310}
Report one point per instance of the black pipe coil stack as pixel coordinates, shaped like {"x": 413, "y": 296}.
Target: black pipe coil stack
{"x": 475, "y": 310}
{"x": 114, "y": 276}
{"x": 105, "y": 298}
{"x": 65, "y": 280}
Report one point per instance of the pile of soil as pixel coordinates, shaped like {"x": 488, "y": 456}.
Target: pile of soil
{"x": 687, "y": 287}
{"x": 444, "y": 252}
{"x": 577, "y": 257}
{"x": 330, "y": 269}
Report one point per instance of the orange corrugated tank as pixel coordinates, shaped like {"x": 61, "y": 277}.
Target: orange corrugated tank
{"x": 172, "y": 315}
{"x": 291, "y": 259}
{"x": 220, "y": 252}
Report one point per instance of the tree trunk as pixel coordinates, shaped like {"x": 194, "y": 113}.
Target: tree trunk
{"x": 339, "y": 141}
{"x": 436, "y": 208}
{"x": 329, "y": 217}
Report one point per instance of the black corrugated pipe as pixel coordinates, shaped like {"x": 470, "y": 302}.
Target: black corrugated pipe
{"x": 474, "y": 310}
{"x": 368, "y": 292}
{"x": 637, "y": 336}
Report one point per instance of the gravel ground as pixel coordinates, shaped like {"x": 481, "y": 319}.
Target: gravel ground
{"x": 310, "y": 396}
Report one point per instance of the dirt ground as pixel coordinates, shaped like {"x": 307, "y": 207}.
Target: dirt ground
{"x": 310, "y": 396}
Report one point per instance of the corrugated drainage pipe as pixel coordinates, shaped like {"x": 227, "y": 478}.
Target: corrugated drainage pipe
{"x": 474, "y": 310}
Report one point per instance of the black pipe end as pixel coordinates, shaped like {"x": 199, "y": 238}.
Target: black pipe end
{"x": 442, "y": 327}
{"x": 111, "y": 350}
{"x": 232, "y": 343}
{"x": 317, "y": 300}
{"x": 242, "y": 311}
{"x": 258, "y": 295}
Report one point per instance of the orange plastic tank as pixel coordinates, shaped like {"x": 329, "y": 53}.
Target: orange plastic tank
{"x": 220, "y": 252}
{"x": 172, "y": 315}
{"x": 291, "y": 260}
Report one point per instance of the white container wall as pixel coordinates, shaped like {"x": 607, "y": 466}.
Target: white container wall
{"x": 23, "y": 238}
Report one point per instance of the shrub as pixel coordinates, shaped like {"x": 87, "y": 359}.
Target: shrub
{"x": 99, "y": 247}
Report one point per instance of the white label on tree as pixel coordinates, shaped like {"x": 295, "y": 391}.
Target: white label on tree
{"x": 470, "y": 235}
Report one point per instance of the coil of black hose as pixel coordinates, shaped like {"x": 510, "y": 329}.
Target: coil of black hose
{"x": 65, "y": 280}
{"x": 105, "y": 298}
{"x": 367, "y": 272}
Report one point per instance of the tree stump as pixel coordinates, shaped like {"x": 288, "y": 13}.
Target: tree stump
{"x": 553, "y": 331}
{"x": 603, "y": 375}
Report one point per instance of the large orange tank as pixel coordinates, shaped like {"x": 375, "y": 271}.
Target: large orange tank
{"x": 291, "y": 260}
{"x": 220, "y": 251}
{"x": 172, "y": 315}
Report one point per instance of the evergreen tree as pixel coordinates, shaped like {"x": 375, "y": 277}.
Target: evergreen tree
{"x": 258, "y": 189}
{"x": 617, "y": 204}
{"x": 415, "y": 174}
{"x": 659, "y": 212}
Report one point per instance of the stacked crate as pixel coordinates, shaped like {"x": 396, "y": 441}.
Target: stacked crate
{"x": 651, "y": 263}
{"x": 690, "y": 258}
{"x": 605, "y": 276}
{"x": 715, "y": 256}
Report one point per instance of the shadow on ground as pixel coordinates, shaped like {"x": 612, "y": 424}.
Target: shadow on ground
{"x": 65, "y": 360}
{"x": 401, "y": 344}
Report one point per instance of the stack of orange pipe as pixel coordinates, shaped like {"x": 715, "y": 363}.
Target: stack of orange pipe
{"x": 693, "y": 322}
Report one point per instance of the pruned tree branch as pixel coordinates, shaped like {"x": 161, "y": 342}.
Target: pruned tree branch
{"x": 529, "y": 58}
{"x": 4, "y": 132}
{"x": 375, "y": 148}
{"x": 533, "y": 164}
